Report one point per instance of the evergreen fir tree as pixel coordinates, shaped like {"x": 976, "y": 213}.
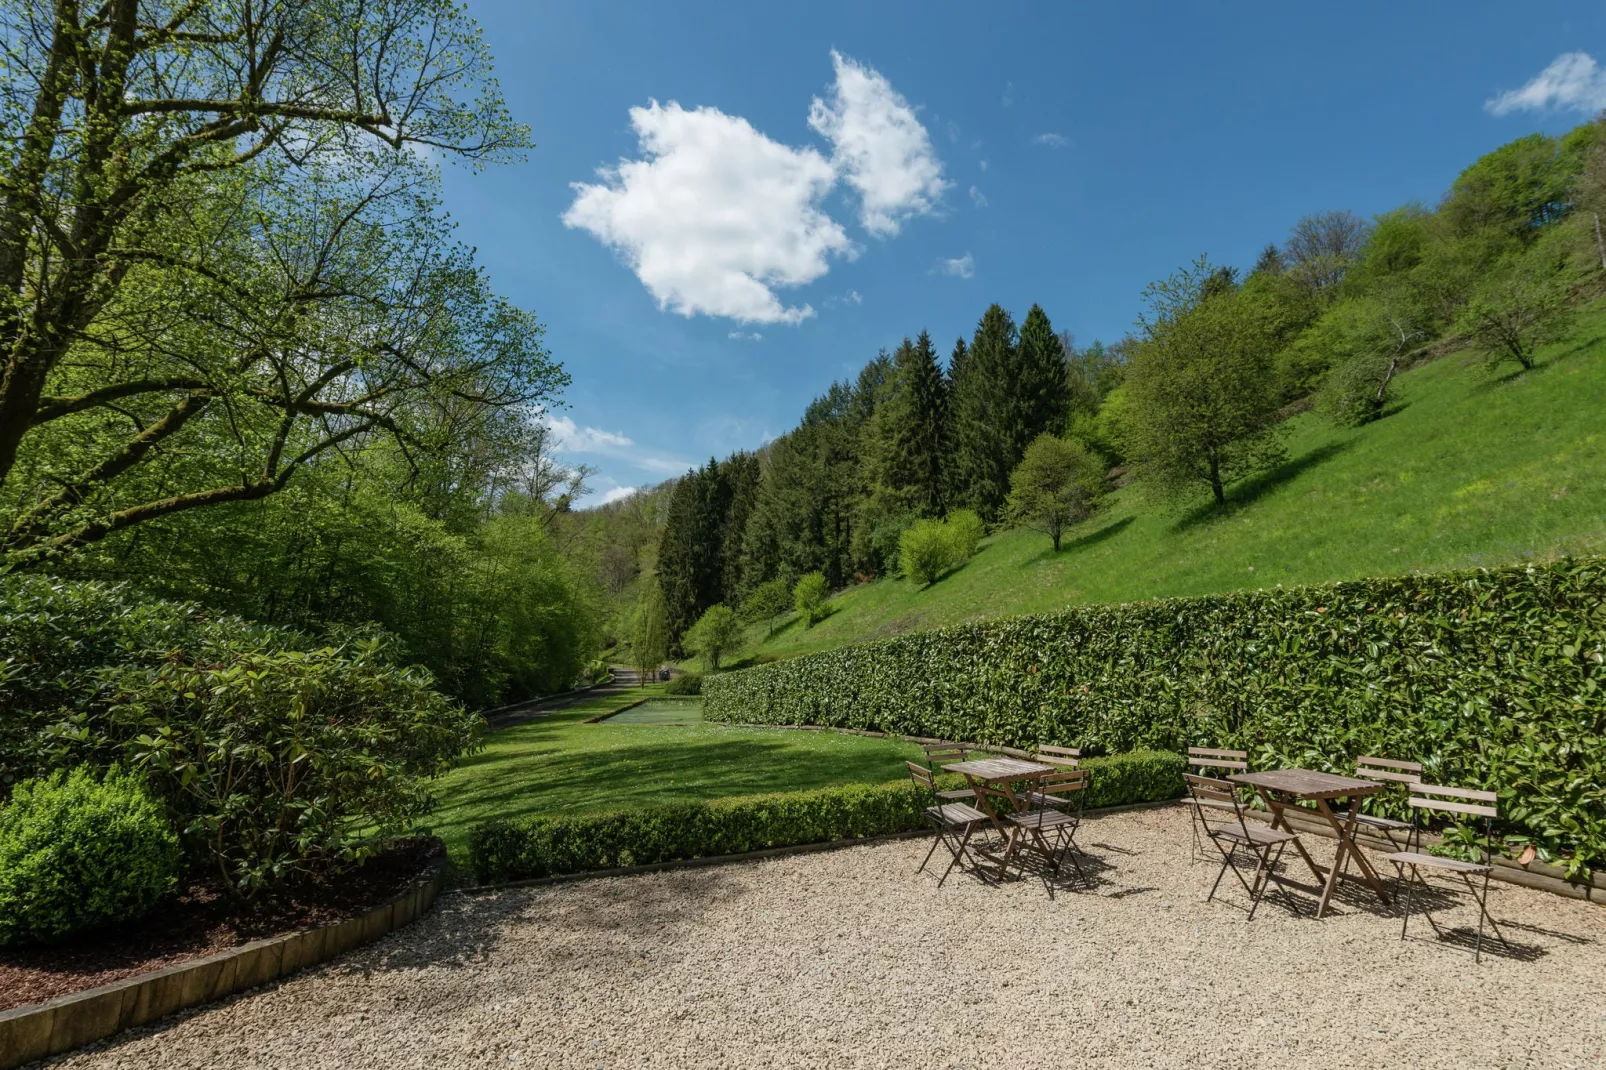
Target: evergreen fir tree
{"x": 981, "y": 390}
{"x": 1040, "y": 400}
{"x": 917, "y": 426}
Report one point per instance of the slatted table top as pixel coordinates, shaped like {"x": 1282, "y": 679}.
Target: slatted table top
{"x": 990, "y": 769}
{"x": 1307, "y": 783}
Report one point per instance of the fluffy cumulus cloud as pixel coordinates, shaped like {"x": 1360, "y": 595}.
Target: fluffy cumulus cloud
{"x": 567, "y": 436}
{"x": 879, "y": 147}
{"x": 1052, "y": 140}
{"x": 978, "y": 198}
{"x": 960, "y": 267}
{"x": 715, "y": 218}
{"x": 1572, "y": 82}
{"x": 616, "y": 494}
{"x": 715, "y": 215}
{"x": 745, "y": 336}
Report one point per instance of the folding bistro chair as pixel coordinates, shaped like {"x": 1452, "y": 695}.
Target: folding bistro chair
{"x": 1054, "y": 825}
{"x": 1209, "y": 759}
{"x": 1441, "y": 799}
{"x": 1258, "y": 840}
{"x": 1386, "y": 770}
{"x": 954, "y": 821}
{"x": 939, "y": 754}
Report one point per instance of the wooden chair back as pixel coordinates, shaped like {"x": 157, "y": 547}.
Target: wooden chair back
{"x": 1369, "y": 768}
{"x": 1218, "y": 758}
{"x": 1049, "y": 754}
{"x": 1063, "y": 782}
{"x": 922, "y": 778}
{"x": 942, "y": 753}
{"x": 1440, "y": 798}
{"x": 1216, "y": 794}
{"x": 1448, "y": 800}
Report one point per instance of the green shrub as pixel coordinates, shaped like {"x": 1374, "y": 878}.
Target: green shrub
{"x": 503, "y": 850}
{"x": 272, "y": 754}
{"x": 925, "y": 552}
{"x": 685, "y": 684}
{"x": 809, "y": 597}
{"x": 1491, "y": 678}
{"x": 77, "y": 851}
{"x": 965, "y": 530}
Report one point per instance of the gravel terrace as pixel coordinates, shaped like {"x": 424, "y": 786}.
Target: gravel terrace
{"x": 850, "y": 959}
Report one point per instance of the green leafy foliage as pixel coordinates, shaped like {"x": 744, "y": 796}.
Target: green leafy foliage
{"x": 649, "y": 640}
{"x": 548, "y": 846}
{"x": 273, "y": 754}
{"x": 809, "y": 597}
{"x": 1491, "y": 678}
{"x": 965, "y": 531}
{"x": 769, "y": 600}
{"x": 1056, "y": 484}
{"x": 925, "y": 551}
{"x": 78, "y": 851}
{"x": 503, "y": 850}
{"x": 716, "y": 633}
{"x": 687, "y": 683}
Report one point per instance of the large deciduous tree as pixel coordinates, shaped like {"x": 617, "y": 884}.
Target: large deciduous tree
{"x": 1202, "y": 387}
{"x": 221, "y": 256}
{"x": 1055, "y": 486}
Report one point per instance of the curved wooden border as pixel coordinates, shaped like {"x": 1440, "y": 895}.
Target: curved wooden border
{"x": 44, "y": 1029}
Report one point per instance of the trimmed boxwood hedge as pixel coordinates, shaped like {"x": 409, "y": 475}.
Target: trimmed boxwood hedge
{"x": 505, "y": 850}
{"x": 1492, "y": 678}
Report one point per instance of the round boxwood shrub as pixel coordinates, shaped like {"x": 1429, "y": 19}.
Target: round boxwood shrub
{"x": 689, "y": 683}
{"x": 77, "y": 851}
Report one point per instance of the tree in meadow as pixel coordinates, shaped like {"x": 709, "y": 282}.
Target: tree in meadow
{"x": 1055, "y": 486}
{"x": 649, "y": 639}
{"x": 716, "y": 633}
{"x": 809, "y": 597}
{"x": 1201, "y": 387}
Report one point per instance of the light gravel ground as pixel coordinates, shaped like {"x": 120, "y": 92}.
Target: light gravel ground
{"x": 850, "y": 959}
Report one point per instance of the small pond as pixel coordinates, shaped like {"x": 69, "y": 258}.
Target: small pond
{"x": 660, "y": 711}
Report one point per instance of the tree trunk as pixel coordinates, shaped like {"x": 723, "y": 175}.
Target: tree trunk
{"x": 1215, "y": 481}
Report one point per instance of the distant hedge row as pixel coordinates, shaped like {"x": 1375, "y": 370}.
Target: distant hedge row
{"x": 504, "y": 850}
{"x": 1491, "y": 678}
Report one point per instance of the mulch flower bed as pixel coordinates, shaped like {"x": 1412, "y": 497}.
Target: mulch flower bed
{"x": 201, "y": 921}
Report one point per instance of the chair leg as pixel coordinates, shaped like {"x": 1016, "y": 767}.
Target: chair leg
{"x": 957, "y": 849}
{"x": 935, "y": 840}
{"x": 1406, "y": 912}
{"x": 1226, "y": 862}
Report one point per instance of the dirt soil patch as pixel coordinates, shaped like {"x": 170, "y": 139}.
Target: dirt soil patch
{"x": 201, "y": 921}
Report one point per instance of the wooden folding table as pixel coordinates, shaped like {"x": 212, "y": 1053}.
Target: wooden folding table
{"x": 999, "y": 774}
{"x": 1281, "y": 788}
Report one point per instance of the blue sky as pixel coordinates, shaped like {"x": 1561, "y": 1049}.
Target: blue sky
{"x": 818, "y": 180}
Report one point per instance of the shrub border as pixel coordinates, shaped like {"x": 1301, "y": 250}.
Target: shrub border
{"x": 39, "y": 1030}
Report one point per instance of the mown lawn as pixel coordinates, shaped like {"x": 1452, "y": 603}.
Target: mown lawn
{"x": 559, "y": 765}
{"x": 1469, "y": 468}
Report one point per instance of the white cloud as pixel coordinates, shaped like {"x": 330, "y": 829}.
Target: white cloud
{"x": 617, "y": 494}
{"x": 745, "y": 336}
{"x": 568, "y": 437}
{"x": 879, "y": 147}
{"x": 715, "y": 215}
{"x": 983, "y": 164}
{"x": 715, "y": 218}
{"x": 854, "y": 297}
{"x": 1052, "y": 140}
{"x": 953, "y": 131}
{"x": 960, "y": 267}
{"x": 1009, "y": 93}
{"x": 978, "y": 197}
{"x": 1572, "y": 82}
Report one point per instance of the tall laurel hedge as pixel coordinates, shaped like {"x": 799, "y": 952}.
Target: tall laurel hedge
{"x": 1491, "y": 678}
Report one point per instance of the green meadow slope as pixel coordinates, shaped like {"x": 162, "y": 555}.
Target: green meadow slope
{"x": 1469, "y": 468}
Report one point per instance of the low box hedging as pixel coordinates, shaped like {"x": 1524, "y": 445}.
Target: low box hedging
{"x": 1492, "y": 678}
{"x": 505, "y": 850}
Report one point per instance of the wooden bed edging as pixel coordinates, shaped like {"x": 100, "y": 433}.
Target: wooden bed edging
{"x": 748, "y": 856}
{"x": 67, "y": 1022}
{"x": 1537, "y": 875}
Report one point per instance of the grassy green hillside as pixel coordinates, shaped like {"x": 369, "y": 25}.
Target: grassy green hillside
{"x": 1469, "y": 468}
